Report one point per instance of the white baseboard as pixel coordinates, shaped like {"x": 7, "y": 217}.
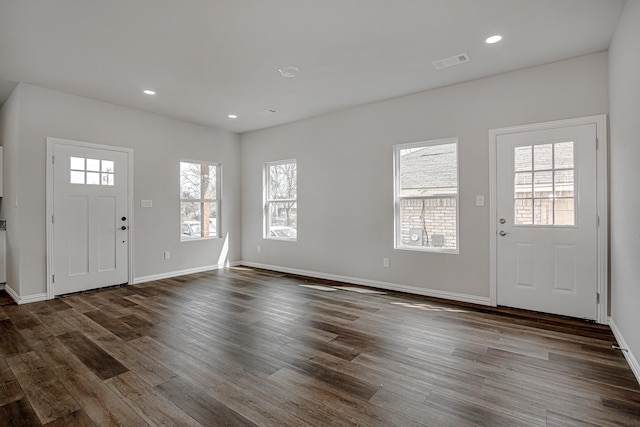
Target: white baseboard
{"x": 24, "y": 299}
{"x": 11, "y": 293}
{"x": 631, "y": 358}
{"x": 2, "y": 286}
{"x": 176, "y": 273}
{"x": 375, "y": 284}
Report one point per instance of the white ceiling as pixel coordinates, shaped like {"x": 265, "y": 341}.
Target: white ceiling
{"x": 209, "y": 58}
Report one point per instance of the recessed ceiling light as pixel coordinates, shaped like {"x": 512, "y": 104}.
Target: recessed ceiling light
{"x": 493, "y": 39}
{"x": 233, "y": 116}
{"x": 149, "y": 92}
{"x": 289, "y": 71}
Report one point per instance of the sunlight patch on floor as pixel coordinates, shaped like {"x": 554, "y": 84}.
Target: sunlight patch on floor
{"x": 359, "y": 290}
{"x": 319, "y": 288}
{"x": 427, "y": 307}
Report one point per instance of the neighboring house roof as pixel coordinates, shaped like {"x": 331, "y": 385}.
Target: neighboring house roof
{"x": 535, "y": 164}
{"x": 432, "y": 167}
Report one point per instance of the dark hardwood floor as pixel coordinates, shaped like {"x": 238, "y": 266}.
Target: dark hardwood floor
{"x": 245, "y": 347}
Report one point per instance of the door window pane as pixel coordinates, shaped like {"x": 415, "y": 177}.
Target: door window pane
{"x": 77, "y": 163}
{"x": 523, "y": 158}
{"x": 542, "y": 184}
{"x": 563, "y": 155}
{"x": 107, "y": 179}
{"x": 523, "y": 184}
{"x": 563, "y": 183}
{"x": 542, "y": 157}
{"x": 523, "y": 212}
{"x": 93, "y": 178}
{"x": 77, "y": 177}
{"x": 543, "y": 211}
{"x": 107, "y": 166}
{"x": 87, "y": 171}
{"x": 93, "y": 165}
{"x": 545, "y": 196}
{"x": 564, "y": 211}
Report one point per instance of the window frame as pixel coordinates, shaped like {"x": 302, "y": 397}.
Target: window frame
{"x": 216, "y": 201}
{"x": 397, "y": 198}
{"x": 266, "y": 211}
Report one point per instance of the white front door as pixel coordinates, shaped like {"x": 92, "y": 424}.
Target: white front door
{"x": 547, "y": 221}
{"x": 90, "y": 218}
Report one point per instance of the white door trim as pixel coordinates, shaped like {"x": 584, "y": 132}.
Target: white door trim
{"x": 601, "y": 199}
{"x": 51, "y": 142}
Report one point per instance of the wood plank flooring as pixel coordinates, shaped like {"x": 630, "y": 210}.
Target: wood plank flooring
{"x": 246, "y": 347}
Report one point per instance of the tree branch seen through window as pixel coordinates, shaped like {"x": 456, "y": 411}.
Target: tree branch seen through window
{"x": 199, "y": 201}
{"x": 281, "y": 207}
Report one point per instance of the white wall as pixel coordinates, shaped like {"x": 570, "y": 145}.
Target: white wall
{"x": 625, "y": 175}
{"x": 158, "y": 142}
{"x": 9, "y": 139}
{"x": 345, "y": 183}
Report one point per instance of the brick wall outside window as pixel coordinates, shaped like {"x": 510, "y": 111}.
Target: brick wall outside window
{"x": 435, "y": 215}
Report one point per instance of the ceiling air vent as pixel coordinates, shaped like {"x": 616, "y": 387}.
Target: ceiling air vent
{"x": 451, "y": 61}
{"x": 268, "y": 112}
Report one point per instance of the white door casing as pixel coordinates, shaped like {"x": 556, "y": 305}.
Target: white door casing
{"x": 537, "y": 264}
{"x": 88, "y": 216}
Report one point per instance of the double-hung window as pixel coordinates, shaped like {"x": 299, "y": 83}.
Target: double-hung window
{"x": 281, "y": 200}
{"x": 426, "y": 195}
{"x": 199, "y": 200}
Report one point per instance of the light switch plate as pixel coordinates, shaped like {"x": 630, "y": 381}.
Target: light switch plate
{"x": 479, "y": 200}
{"x": 146, "y": 203}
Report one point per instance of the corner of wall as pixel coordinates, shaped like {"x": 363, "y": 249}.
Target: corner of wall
{"x": 9, "y": 139}
{"x": 624, "y": 106}
{"x": 632, "y": 360}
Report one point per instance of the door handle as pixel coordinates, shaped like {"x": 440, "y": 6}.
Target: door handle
{"x": 503, "y": 233}
{"x": 124, "y": 227}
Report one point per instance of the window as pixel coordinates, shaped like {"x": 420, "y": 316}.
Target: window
{"x": 281, "y": 200}
{"x": 426, "y": 195}
{"x": 91, "y": 171}
{"x": 199, "y": 200}
{"x": 544, "y": 189}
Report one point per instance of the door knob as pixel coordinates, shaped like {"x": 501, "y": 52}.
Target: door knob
{"x": 124, "y": 227}
{"x": 503, "y": 233}
{"x": 124, "y": 218}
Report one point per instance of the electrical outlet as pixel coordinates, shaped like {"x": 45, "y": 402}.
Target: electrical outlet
{"x": 167, "y": 255}
{"x": 385, "y": 262}
{"x": 258, "y": 248}
{"x": 146, "y": 203}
